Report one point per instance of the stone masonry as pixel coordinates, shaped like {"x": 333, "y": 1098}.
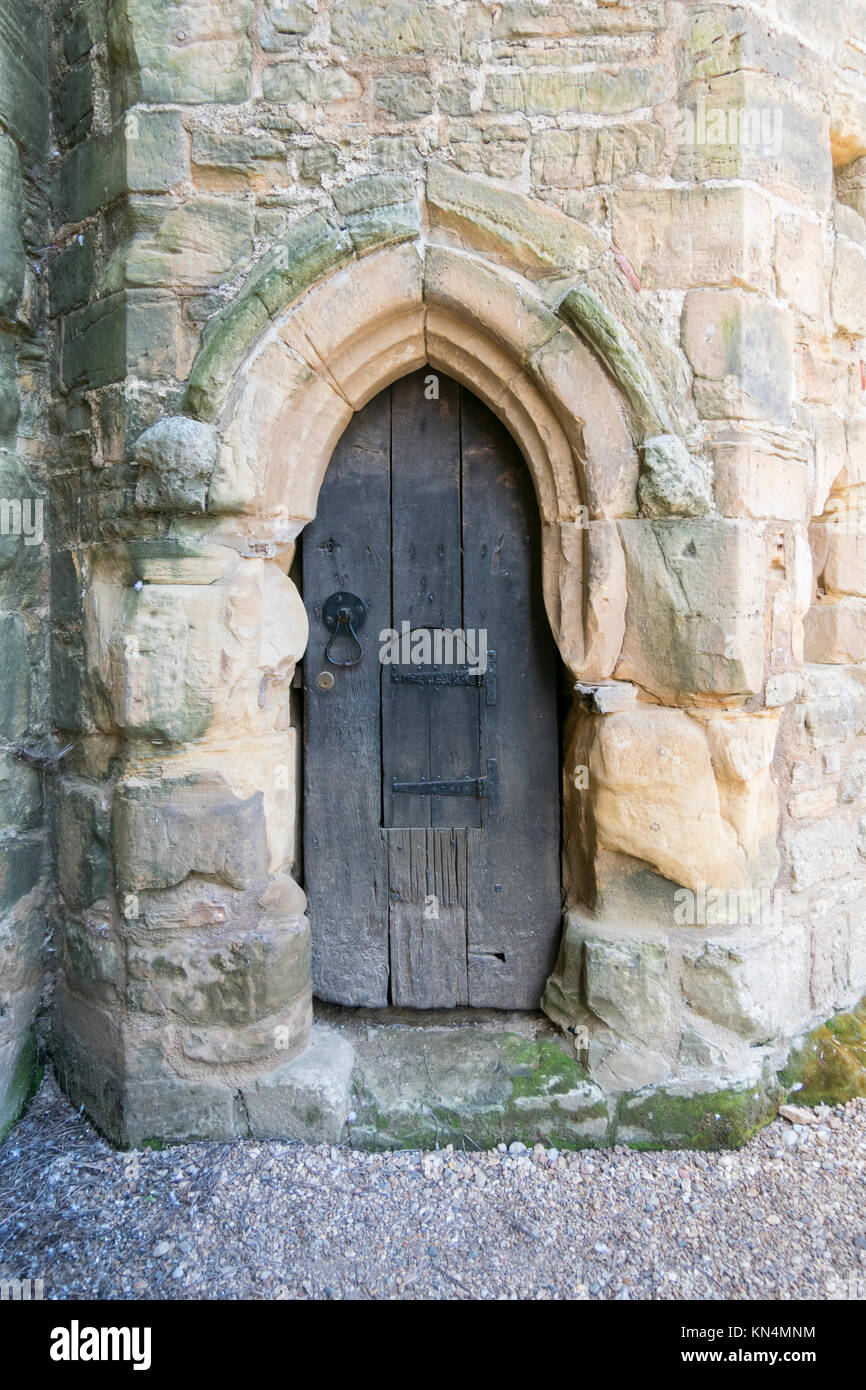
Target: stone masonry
{"x": 638, "y": 232}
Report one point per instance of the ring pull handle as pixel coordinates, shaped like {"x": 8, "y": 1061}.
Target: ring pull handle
{"x": 343, "y": 613}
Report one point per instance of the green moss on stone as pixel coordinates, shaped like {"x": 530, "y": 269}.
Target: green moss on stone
{"x": 830, "y": 1065}
{"x": 21, "y": 1086}
{"x": 670, "y": 1119}
{"x": 584, "y": 311}
{"x": 473, "y": 1090}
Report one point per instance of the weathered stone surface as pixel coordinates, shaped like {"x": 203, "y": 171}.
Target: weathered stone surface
{"x": 714, "y": 236}
{"x": 11, "y": 247}
{"x": 283, "y": 23}
{"x": 836, "y": 632}
{"x": 590, "y": 622}
{"x": 182, "y": 50}
{"x": 586, "y": 92}
{"x": 742, "y": 748}
{"x": 132, "y": 333}
{"x": 657, "y": 799}
{"x": 405, "y": 95}
{"x": 279, "y": 388}
{"x": 308, "y": 250}
{"x": 378, "y": 211}
{"x": 15, "y": 677}
{"x": 822, "y": 852}
{"x": 24, "y": 47}
{"x": 71, "y": 275}
{"x": 741, "y": 349}
{"x": 9, "y": 404}
{"x": 366, "y": 322}
{"x": 851, "y": 183}
{"x": 594, "y": 416}
{"x": 509, "y": 223}
{"x": 195, "y": 244}
{"x": 301, "y": 83}
{"x": 627, "y": 986}
{"x": 760, "y": 477}
{"x": 828, "y": 1066}
{"x": 695, "y": 617}
{"x": 678, "y": 1117}
{"x": 756, "y": 988}
{"x": 833, "y": 705}
{"x": 841, "y": 570}
{"x": 388, "y": 28}
{"x": 163, "y": 832}
{"x": 177, "y": 457}
{"x": 799, "y": 258}
{"x": 672, "y": 483}
{"x": 19, "y": 1075}
{"x": 580, "y": 158}
{"x": 83, "y": 853}
{"x": 221, "y": 976}
{"x": 584, "y": 310}
{"x": 307, "y": 1098}
{"x": 73, "y": 103}
{"x": 491, "y": 1086}
{"x": 745, "y": 125}
{"x": 20, "y": 793}
{"x": 466, "y": 287}
{"x": 21, "y": 865}
{"x": 846, "y": 288}
{"x": 147, "y": 152}
{"x": 183, "y": 658}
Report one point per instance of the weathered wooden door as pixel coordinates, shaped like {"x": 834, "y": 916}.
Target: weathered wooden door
{"x": 431, "y": 778}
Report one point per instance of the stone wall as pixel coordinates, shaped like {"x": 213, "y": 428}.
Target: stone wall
{"x": 646, "y": 221}
{"x": 25, "y": 450}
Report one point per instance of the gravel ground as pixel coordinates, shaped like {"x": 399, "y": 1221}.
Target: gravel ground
{"x": 783, "y": 1218}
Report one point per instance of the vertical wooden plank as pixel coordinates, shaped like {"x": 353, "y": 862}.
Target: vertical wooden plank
{"x": 348, "y": 547}
{"x": 426, "y": 573}
{"x": 427, "y": 892}
{"x": 514, "y": 883}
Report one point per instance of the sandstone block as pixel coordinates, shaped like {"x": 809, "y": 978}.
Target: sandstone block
{"x": 305, "y": 1099}
{"x": 627, "y": 987}
{"x": 389, "y": 28}
{"x": 836, "y": 632}
{"x": 695, "y": 238}
{"x": 587, "y": 156}
{"x": 846, "y": 288}
{"x": 747, "y": 125}
{"x": 302, "y": 84}
{"x": 756, "y": 988}
{"x": 657, "y": 798}
{"x": 592, "y": 92}
{"x": 11, "y": 247}
{"x": 196, "y": 243}
{"x": 221, "y": 976}
{"x": 510, "y": 224}
{"x": 184, "y": 50}
{"x": 741, "y": 349}
{"x": 284, "y": 23}
{"x": 760, "y": 477}
{"x": 83, "y": 854}
{"x": 695, "y": 617}
{"x": 800, "y": 273}
{"x": 822, "y": 852}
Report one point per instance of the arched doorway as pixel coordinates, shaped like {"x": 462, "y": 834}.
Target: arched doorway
{"x": 448, "y": 896}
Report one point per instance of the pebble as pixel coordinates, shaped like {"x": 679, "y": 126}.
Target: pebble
{"x": 781, "y": 1219}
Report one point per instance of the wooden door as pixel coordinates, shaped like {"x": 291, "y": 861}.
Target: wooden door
{"x": 448, "y": 896}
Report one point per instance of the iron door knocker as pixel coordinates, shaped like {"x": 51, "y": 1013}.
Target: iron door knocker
{"x": 344, "y": 613}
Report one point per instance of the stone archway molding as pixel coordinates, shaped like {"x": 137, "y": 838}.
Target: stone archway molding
{"x": 195, "y": 631}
